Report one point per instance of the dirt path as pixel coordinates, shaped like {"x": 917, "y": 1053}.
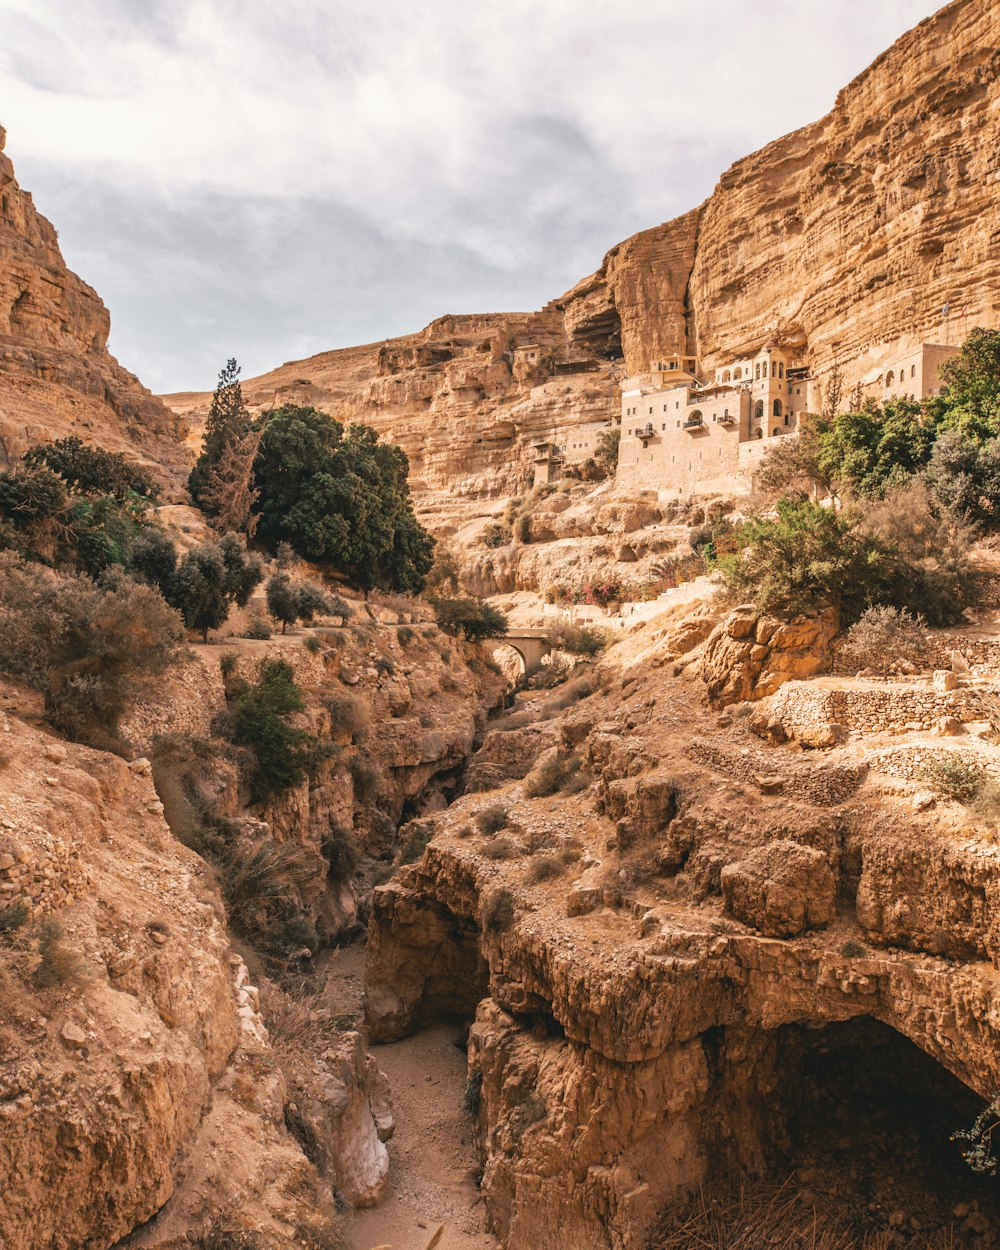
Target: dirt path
{"x": 432, "y": 1157}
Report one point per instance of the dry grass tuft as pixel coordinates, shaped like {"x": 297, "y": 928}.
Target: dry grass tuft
{"x": 760, "y": 1215}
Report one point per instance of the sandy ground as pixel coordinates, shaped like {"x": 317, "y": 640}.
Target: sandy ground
{"x": 432, "y": 1157}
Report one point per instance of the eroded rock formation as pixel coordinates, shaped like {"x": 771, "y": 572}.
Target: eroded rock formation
{"x": 644, "y": 1005}
{"x": 56, "y": 376}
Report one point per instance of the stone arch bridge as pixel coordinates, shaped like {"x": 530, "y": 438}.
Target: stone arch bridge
{"x": 530, "y": 645}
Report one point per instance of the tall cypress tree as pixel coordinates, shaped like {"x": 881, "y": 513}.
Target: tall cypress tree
{"x": 228, "y": 425}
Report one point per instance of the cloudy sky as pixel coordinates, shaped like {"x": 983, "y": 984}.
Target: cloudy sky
{"x": 269, "y": 180}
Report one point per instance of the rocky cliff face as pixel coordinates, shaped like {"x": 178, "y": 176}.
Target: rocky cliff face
{"x": 684, "y": 966}
{"x": 843, "y": 240}
{"x": 56, "y": 376}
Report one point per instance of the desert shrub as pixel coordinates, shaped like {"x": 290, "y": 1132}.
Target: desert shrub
{"x": 405, "y": 635}
{"x": 986, "y": 804}
{"x": 227, "y": 664}
{"x": 552, "y": 772}
{"x": 258, "y": 720}
{"x": 12, "y": 918}
{"x": 500, "y": 849}
{"x": 367, "y": 780}
{"x": 384, "y": 666}
{"x": 853, "y": 950}
{"x": 956, "y": 778}
{"x": 492, "y": 819}
{"x": 415, "y": 843}
{"x": 341, "y": 852}
{"x": 548, "y": 676}
{"x": 586, "y": 640}
{"x": 494, "y": 536}
{"x": 498, "y": 911}
{"x": 57, "y": 962}
{"x": 545, "y": 868}
{"x": 522, "y": 528}
{"x": 258, "y": 629}
{"x": 472, "y": 1098}
{"x": 883, "y": 635}
{"x": 445, "y": 657}
{"x": 313, "y": 644}
{"x": 260, "y": 881}
{"x": 980, "y": 1154}
{"x": 348, "y": 714}
{"x": 472, "y": 619}
{"x": 90, "y": 648}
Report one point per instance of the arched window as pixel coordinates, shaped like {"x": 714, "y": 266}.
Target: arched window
{"x": 760, "y": 433}
{"x": 781, "y": 371}
{"x": 913, "y": 371}
{"x": 890, "y": 377}
{"x": 774, "y": 368}
{"x": 737, "y": 374}
{"x": 759, "y": 410}
{"x": 727, "y": 376}
{"x": 776, "y": 431}
{"x": 777, "y": 408}
{"x": 758, "y": 372}
{"x": 787, "y": 415}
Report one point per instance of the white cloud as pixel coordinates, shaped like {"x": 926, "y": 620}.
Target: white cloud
{"x": 518, "y": 139}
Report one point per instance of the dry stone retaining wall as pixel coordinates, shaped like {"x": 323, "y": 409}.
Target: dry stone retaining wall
{"x": 874, "y": 708}
{"x": 826, "y": 785}
{"x": 911, "y": 763}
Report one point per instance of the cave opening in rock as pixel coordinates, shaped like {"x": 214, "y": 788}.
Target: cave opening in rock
{"x": 863, "y": 1118}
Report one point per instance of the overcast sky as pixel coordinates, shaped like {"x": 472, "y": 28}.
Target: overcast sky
{"x": 269, "y": 180}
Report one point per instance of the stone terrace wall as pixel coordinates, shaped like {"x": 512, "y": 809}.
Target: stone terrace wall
{"x": 874, "y": 708}
{"x": 911, "y": 763}
{"x": 826, "y": 785}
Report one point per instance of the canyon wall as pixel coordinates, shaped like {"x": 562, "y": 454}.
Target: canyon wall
{"x": 56, "y": 376}
{"x": 843, "y": 240}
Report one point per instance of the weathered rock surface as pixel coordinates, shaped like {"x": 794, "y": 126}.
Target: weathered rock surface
{"x": 748, "y": 656}
{"x": 630, "y": 1011}
{"x": 56, "y": 376}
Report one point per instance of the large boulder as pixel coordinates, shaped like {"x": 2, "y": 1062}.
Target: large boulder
{"x": 748, "y": 656}
{"x": 781, "y": 889}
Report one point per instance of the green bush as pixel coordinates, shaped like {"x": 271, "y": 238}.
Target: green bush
{"x": 289, "y": 602}
{"x": 472, "y": 619}
{"x": 405, "y": 635}
{"x": 257, "y": 629}
{"x": 956, "y": 778}
{"x": 12, "y": 918}
{"x": 586, "y": 640}
{"x": 92, "y": 470}
{"x": 313, "y": 644}
{"x": 258, "y": 720}
{"x": 211, "y": 578}
{"x": 500, "y": 848}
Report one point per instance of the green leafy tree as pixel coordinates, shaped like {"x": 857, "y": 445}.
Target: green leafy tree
{"x": 867, "y": 452}
{"x": 342, "y": 498}
{"x": 211, "y": 578}
{"x": 92, "y": 470}
{"x": 970, "y": 397}
{"x": 964, "y": 474}
{"x": 472, "y": 619}
{"x": 260, "y": 721}
{"x": 227, "y": 426}
{"x": 289, "y": 602}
